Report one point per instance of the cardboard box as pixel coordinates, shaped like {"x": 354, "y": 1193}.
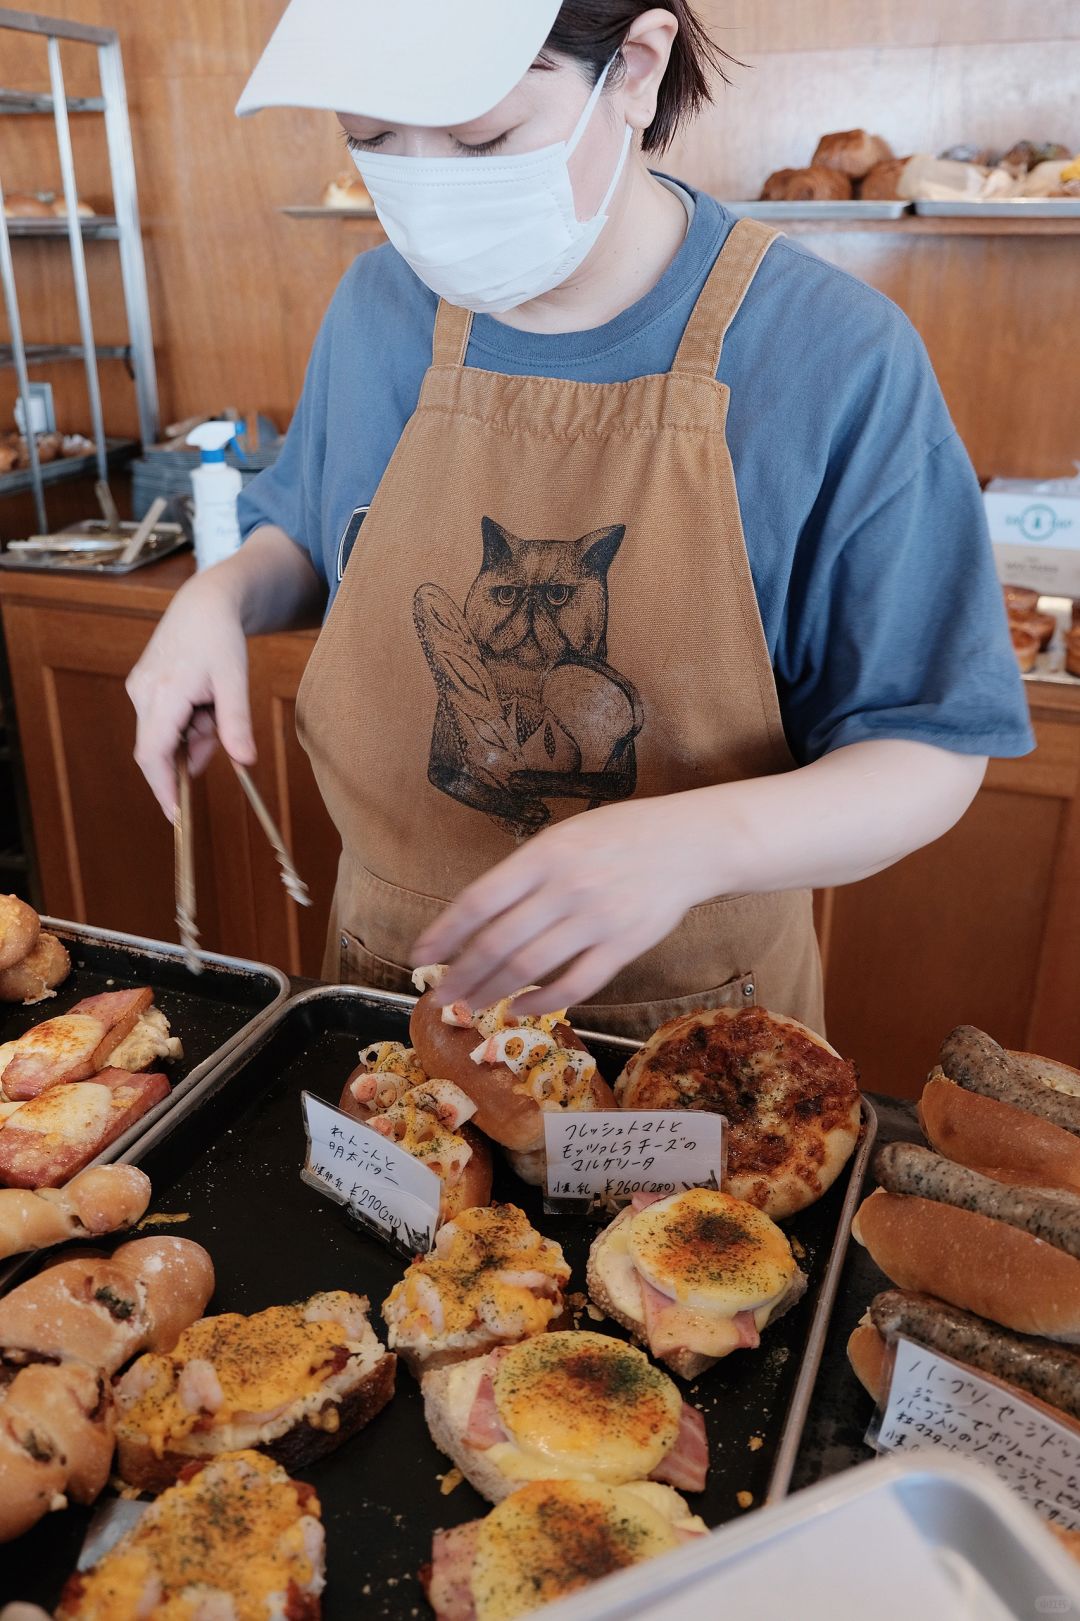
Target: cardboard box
{"x": 1035, "y": 528}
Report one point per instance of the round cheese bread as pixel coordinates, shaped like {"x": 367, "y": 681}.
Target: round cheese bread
{"x": 791, "y": 1102}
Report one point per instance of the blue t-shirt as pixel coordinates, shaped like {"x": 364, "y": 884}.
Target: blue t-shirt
{"x": 863, "y": 518}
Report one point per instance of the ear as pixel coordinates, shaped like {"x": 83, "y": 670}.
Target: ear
{"x": 596, "y": 550}
{"x": 497, "y": 549}
{"x": 646, "y": 51}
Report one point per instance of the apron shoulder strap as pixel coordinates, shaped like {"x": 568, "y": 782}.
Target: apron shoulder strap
{"x": 718, "y": 303}
{"x": 451, "y": 337}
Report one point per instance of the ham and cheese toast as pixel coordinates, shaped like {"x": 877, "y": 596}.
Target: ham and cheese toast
{"x": 121, "y": 1029}
{"x": 292, "y": 1381}
{"x": 491, "y": 1279}
{"x": 566, "y": 1406}
{"x": 50, "y": 1137}
{"x": 429, "y": 1119}
{"x": 693, "y": 1276}
{"x": 547, "y": 1540}
{"x": 236, "y": 1538}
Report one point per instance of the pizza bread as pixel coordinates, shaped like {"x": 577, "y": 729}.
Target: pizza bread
{"x": 791, "y": 1102}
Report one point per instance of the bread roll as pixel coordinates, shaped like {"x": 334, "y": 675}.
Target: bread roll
{"x": 880, "y": 184}
{"x": 19, "y": 930}
{"x": 1025, "y": 645}
{"x": 56, "y": 1441}
{"x": 24, "y": 205}
{"x": 852, "y": 151}
{"x": 1072, "y": 651}
{"x": 100, "y": 1200}
{"x": 1020, "y": 599}
{"x": 346, "y": 191}
{"x": 814, "y": 185}
{"x": 998, "y": 1138}
{"x": 102, "y": 1312}
{"x": 35, "y": 978}
{"x": 866, "y": 1352}
{"x": 972, "y": 1261}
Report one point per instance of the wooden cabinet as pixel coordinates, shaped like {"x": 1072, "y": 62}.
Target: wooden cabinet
{"x": 983, "y": 927}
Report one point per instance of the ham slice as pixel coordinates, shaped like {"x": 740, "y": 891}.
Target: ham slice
{"x": 48, "y": 1139}
{"x": 642, "y": 1201}
{"x": 484, "y": 1429}
{"x": 448, "y": 1586}
{"x": 687, "y": 1464}
{"x": 74, "y": 1045}
{"x": 748, "y": 1330}
{"x": 672, "y": 1327}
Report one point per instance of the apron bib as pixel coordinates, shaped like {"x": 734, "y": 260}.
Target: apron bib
{"x": 549, "y": 607}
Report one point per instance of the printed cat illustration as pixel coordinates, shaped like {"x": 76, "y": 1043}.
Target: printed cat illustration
{"x": 529, "y": 710}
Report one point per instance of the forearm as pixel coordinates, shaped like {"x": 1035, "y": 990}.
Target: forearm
{"x": 270, "y": 582}
{"x": 848, "y": 815}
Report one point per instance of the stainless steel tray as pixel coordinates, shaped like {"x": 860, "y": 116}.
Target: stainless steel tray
{"x": 212, "y": 1013}
{"x": 1004, "y": 208}
{"x": 853, "y": 209}
{"x": 168, "y": 539}
{"x": 229, "y": 1157}
{"x": 317, "y": 211}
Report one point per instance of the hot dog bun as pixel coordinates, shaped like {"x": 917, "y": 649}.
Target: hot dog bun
{"x": 504, "y": 1110}
{"x": 990, "y": 1135}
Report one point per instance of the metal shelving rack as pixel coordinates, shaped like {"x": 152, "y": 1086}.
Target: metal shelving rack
{"x": 122, "y": 227}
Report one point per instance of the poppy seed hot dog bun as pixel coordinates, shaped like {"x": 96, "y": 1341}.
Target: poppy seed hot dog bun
{"x": 968, "y": 1240}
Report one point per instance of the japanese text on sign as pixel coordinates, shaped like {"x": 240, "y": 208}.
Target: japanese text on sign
{"x": 937, "y": 1403}
{"x": 612, "y": 1153}
{"x": 385, "y": 1188}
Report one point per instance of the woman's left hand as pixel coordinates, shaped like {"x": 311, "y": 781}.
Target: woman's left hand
{"x": 586, "y": 896}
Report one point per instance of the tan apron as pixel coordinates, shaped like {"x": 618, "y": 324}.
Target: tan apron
{"x": 549, "y": 607}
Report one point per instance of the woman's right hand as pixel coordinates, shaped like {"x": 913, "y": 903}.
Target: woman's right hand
{"x": 192, "y": 679}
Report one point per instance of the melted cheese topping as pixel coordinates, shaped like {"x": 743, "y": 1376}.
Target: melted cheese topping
{"x": 488, "y": 1272}
{"x": 147, "y": 1041}
{"x": 707, "y": 1250}
{"x": 239, "y": 1526}
{"x": 63, "y": 1040}
{"x": 393, "y": 1058}
{"x": 554, "y": 1537}
{"x": 582, "y": 1406}
{"x": 413, "y": 1123}
{"x": 263, "y": 1363}
{"x": 77, "y": 1111}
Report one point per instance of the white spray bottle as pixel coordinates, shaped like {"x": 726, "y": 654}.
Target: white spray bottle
{"x": 216, "y": 486}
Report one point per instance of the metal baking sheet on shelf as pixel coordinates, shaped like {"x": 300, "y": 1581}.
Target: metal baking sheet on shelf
{"x": 210, "y": 1012}
{"x": 75, "y": 562}
{"x": 853, "y": 209}
{"x": 228, "y": 1162}
{"x": 316, "y": 211}
{"x": 1003, "y": 208}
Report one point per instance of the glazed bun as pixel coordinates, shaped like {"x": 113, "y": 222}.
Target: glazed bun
{"x": 814, "y": 185}
{"x": 852, "y": 151}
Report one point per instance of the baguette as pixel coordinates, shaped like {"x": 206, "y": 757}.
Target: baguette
{"x": 56, "y": 1442}
{"x": 97, "y": 1201}
{"x": 19, "y": 929}
{"x": 35, "y": 978}
{"x": 101, "y": 1312}
{"x": 293, "y": 1382}
{"x": 45, "y": 1141}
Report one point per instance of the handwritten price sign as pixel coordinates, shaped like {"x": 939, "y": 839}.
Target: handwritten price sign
{"x": 387, "y": 1190}
{"x": 938, "y": 1404}
{"x": 606, "y": 1153}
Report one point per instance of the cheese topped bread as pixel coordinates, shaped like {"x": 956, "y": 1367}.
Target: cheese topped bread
{"x": 236, "y": 1539}
{"x": 121, "y": 1029}
{"x": 547, "y": 1540}
{"x": 693, "y": 1276}
{"x": 491, "y": 1278}
{"x": 790, "y": 1101}
{"x": 564, "y": 1406}
{"x": 293, "y": 1380}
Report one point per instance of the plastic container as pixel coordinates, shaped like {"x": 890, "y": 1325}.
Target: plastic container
{"x": 216, "y": 487}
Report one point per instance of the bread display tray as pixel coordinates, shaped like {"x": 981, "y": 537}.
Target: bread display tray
{"x": 227, "y": 1160}
{"x": 849, "y": 209}
{"x": 1004, "y": 208}
{"x": 211, "y": 1012}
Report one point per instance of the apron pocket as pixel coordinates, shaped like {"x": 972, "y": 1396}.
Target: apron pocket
{"x": 638, "y": 1020}
{"x": 359, "y": 966}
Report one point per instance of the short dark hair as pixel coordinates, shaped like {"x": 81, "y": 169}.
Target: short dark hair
{"x": 592, "y": 32}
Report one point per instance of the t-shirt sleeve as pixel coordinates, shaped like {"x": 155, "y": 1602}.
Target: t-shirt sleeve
{"x": 900, "y": 628}
{"x": 289, "y": 493}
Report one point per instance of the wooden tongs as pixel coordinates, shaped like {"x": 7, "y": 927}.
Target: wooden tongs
{"x": 184, "y": 855}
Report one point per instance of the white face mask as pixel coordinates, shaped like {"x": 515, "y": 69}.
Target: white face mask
{"x": 488, "y": 233}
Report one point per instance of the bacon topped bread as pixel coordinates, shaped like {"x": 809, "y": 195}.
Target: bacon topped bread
{"x": 693, "y": 1276}
{"x": 791, "y": 1102}
{"x": 118, "y": 1028}
{"x": 569, "y": 1406}
{"x": 52, "y": 1136}
{"x": 234, "y": 1540}
{"x": 547, "y": 1540}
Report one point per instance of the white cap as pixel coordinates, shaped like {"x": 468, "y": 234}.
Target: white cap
{"x": 428, "y": 62}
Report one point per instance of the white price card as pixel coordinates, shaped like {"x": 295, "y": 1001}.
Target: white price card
{"x": 613, "y": 1153}
{"x": 936, "y": 1404}
{"x": 385, "y": 1188}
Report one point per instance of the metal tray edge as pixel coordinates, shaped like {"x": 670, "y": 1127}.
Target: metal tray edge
{"x": 791, "y": 1431}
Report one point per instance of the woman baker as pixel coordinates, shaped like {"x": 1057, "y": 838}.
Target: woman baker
{"x": 656, "y": 581}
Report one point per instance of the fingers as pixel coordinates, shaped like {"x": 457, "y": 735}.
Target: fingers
{"x": 477, "y": 905}
{"x": 162, "y": 720}
{"x": 520, "y": 948}
{"x": 232, "y": 709}
{"x": 581, "y": 978}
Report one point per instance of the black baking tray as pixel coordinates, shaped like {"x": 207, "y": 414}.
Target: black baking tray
{"x": 211, "y": 1012}
{"x": 228, "y": 1160}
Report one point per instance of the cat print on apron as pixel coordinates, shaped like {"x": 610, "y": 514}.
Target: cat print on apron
{"x": 518, "y": 638}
